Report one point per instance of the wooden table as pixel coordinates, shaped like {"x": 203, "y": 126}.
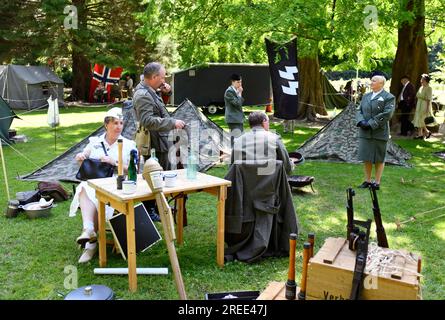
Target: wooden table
{"x": 107, "y": 193}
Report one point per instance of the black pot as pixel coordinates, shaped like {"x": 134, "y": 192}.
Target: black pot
{"x": 93, "y": 292}
{"x": 13, "y": 209}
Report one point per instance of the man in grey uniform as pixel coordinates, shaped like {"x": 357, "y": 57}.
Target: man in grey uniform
{"x": 233, "y": 99}
{"x": 151, "y": 112}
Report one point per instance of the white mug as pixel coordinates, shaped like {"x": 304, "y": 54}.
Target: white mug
{"x": 170, "y": 179}
{"x": 128, "y": 187}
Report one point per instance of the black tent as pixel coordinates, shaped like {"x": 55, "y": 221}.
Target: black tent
{"x": 6, "y": 117}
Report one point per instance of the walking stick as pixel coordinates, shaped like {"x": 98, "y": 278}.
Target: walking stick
{"x": 311, "y": 240}
{"x": 152, "y": 174}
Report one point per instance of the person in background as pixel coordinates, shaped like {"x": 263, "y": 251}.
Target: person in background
{"x": 129, "y": 86}
{"x": 100, "y": 93}
{"x": 373, "y": 115}
{"x": 233, "y": 99}
{"x": 423, "y": 107}
{"x": 85, "y": 196}
{"x": 406, "y": 103}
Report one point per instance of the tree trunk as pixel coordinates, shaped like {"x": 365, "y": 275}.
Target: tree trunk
{"x": 412, "y": 55}
{"x": 81, "y": 65}
{"x": 310, "y": 89}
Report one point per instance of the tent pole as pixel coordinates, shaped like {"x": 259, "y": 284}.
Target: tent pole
{"x": 27, "y": 97}
{"x": 4, "y": 170}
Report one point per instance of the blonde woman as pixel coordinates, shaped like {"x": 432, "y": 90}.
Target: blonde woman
{"x": 423, "y": 107}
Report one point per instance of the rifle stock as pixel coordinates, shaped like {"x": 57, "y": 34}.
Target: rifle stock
{"x": 380, "y": 230}
{"x": 350, "y": 193}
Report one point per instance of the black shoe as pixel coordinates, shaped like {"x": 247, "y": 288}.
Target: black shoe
{"x": 375, "y": 185}
{"x": 364, "y": 185}
{"x": 428, "y": 135}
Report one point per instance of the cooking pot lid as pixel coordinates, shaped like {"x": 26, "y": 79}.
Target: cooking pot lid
{"x": 92, "y": 292}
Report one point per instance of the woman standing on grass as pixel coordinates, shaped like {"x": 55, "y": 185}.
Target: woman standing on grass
{"x": 423, "y": 107}
{"x": 85, "y": 196}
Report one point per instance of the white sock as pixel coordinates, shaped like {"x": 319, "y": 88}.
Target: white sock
{"x": 88, "y": 225}
{"x": 90, "y": 245}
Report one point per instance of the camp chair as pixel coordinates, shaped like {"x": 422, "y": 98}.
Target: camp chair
{"x": 299, "y": 181}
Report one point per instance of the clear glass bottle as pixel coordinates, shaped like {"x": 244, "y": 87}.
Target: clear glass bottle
{"x": 192, "y": 165}
{"x": 153, "y": 154}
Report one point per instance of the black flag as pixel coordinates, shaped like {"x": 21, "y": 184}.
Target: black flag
{"x": 284, "y": 74}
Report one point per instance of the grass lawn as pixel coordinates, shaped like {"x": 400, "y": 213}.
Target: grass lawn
{"x": 35, "y": 253}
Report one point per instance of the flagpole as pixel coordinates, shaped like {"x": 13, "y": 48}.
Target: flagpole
{"x": 4, "y": 169}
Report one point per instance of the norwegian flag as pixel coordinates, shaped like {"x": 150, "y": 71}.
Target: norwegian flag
{"x": 106, "y": 75}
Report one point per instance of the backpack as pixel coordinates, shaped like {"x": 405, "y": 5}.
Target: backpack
{"x": 53, "y": 190}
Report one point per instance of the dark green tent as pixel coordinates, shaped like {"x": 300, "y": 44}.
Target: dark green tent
{"x": 332, "y": 98}
{"x": 6, "y": 117}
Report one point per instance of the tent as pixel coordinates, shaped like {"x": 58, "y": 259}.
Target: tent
{"x": 338, "y": 141}
{"x": 64, "y": 167}
{"x": 29, "y": 87}
{"x": 332, "y": 98}
{"x": 6, "y": 117}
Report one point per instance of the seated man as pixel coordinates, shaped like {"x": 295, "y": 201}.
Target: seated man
{"x": 259, "y": 212}
{"x": 100, "y": 94}
{"x": 260, "y": 143}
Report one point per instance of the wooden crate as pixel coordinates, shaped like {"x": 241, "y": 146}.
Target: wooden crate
{"x": 330, "y": 274}
{"x": 276, "y": 291}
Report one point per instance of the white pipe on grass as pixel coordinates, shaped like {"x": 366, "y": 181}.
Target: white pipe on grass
{"x": 144, "y": 271}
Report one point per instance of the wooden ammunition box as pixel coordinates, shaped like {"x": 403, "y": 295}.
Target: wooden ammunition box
{"x": 330, "y": 274}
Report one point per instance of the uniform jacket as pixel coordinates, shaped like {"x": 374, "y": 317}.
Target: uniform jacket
{"x": 377, "y": 112}
{"x": 233, "y": 106}
{"x": 259, "y": 212}
{"x": 152, "y": 114}
{"x": 409, "y": 98}
{"x": 259, "y": 144}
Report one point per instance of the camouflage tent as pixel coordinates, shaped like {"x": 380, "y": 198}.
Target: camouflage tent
{"x": 338, "y": 141}
{"x": 65, "y": 167}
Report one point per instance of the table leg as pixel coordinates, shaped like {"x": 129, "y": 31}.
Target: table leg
{"x": 222, "y": 195}
{"x": 180, "y": 220}
{"x": 131, "y": 247}
{"x": 102, "y": 235}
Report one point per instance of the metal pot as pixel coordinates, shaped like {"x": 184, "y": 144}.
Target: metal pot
{"x": 13, "y": 209}
{"x": 93, "y": 292}
{"x": 36, "y": 213}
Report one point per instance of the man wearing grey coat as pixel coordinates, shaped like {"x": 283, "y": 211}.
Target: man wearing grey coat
{"x": 233, "y": 100}
{"x": 151, "y": 112}
{"x": 373, "y": 115}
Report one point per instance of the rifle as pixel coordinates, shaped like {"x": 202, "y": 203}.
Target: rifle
{"x": 350, "y": 210}
{"x": 381, "y": 234}
{"x": 358, "y": 241}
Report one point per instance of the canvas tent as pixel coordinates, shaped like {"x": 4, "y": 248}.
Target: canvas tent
{"x": 332, "y": 98}
{"x": 64, "y": 167}
{"x": 338, "y": 141}
{"x": 29, "y": 87}
{"x": 6, "y": 117}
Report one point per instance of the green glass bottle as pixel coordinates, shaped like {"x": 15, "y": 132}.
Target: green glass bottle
{"x": 132, "y": 172}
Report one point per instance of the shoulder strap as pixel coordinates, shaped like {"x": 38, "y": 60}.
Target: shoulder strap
{"x": 103, "y": 146}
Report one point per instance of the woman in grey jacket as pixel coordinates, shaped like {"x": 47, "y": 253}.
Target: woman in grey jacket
{"x": 373, "y": 115}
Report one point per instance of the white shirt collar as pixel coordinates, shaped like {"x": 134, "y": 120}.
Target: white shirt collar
{"x": 375, "y": 94}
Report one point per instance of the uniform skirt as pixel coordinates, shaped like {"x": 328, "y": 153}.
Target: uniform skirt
{"x": 372, "y": 150}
